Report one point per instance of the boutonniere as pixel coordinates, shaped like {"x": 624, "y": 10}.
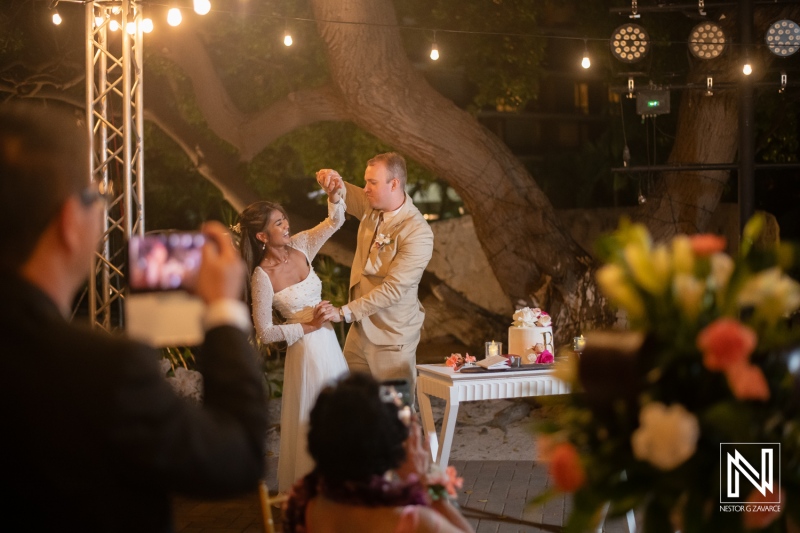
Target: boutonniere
{"x": 381, "y": 240}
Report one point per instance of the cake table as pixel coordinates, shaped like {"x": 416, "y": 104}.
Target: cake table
{"x": 453, "y": 387}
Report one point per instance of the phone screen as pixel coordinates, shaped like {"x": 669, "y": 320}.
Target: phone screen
{"x": 164, "y": 261}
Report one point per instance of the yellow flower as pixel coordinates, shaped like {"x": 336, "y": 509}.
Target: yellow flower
{"x": 688, "y": 291}
{"x": 772, "y": 293}
{"x": 612, "y": 281}
{"x": 682, "y": 256}
{"x": 643, "y": 269}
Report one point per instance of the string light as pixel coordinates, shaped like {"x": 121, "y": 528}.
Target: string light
{"x": 434, "y": 49}
{"x": 586, "y": 62}
{"x": 202, "y": 7}
{"x": 57, "y": 18}
{"x": 747, "y": 69}
{"x": 287, "y": 38}
{"x": 174, "y": 16}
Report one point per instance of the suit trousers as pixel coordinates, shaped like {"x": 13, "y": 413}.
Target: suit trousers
{"x": 384, "y": 362}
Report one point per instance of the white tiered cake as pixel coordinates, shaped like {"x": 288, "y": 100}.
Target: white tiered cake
{"x": 530, "y": 335}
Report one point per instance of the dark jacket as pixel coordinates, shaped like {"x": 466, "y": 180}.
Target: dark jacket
{"x": 94, "y": 438}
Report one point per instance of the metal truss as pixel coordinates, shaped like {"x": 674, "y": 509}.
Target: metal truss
{"x": 115, "y": 119}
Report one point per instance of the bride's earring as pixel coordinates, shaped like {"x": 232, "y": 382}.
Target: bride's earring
{"x": 263, "y": 246}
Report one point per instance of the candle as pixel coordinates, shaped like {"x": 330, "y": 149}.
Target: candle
{"x": 493, "y": 348}
{"x": 578, "y": 343}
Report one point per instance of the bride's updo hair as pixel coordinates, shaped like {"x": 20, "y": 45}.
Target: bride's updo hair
{"x": 254, "y": 220}
{"x": 353, "y": 435}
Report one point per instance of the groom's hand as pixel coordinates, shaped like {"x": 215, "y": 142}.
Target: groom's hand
{"x": 332, "y": 182}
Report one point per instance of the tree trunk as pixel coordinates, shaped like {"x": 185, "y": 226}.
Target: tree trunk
{"x": 534, "y": 259}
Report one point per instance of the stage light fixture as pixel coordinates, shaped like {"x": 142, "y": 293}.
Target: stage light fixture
{"x": 707, "y": 40}
{"x": 147, "y": 25}
{"x": 113, "y": 25}
{"x": 630, "y": 43}
{"x": 783, "y": 38}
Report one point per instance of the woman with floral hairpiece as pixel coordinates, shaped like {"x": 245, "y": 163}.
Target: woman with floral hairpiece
{"x": 282, "y": 277}
{"x": 372, "y": 469}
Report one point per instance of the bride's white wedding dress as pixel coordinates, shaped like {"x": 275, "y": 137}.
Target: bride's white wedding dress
{"x": 312, "y": 360}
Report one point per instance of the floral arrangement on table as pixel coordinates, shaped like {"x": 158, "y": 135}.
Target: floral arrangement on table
{"x": 456, "y": 361}
{"x": 713, "y": 370}
{"x": 541, "y": 355}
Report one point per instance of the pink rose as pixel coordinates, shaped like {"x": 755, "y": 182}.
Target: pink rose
{"x": 469, "y": 358}
{"x": 725, "y": 343}
{"x": 566, "y": 470}
{"x": 747, "y": 382}
{"x": 538, "y": 347}
{"x": 544, "y": 358}
{"x": 707, "y": 244}
{"x": 760, "y": 519}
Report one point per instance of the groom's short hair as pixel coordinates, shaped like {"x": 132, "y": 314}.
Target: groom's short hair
{"x": 395, "y": 164}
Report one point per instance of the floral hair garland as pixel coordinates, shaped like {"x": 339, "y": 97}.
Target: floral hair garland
{"x": 236, "y": 228}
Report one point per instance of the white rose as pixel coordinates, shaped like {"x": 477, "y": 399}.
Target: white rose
{"x": 543, "y": 321}
{"x": 526, "y": 317}
{"x": 667, "y": 436}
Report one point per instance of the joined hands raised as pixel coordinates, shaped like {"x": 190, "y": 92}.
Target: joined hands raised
{"x": 332, "y": 182}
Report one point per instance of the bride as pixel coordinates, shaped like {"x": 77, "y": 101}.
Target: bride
{"x": 282, "y": 277}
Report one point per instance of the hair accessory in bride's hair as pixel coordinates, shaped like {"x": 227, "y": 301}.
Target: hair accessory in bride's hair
{"x": 236, "y": 228}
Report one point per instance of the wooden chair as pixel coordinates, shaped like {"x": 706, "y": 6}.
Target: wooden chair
{"x": 266, "y": 505}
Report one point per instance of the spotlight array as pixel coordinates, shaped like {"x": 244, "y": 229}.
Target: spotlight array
{"x": 783, "y": 38}
{"x": 630, "y": 43}
{"x": 707, "y": 40}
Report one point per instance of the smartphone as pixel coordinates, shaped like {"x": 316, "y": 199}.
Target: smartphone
{"x": 164, "y": 261}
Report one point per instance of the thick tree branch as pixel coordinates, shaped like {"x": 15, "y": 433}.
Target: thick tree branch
{"x": 248, "y": 133}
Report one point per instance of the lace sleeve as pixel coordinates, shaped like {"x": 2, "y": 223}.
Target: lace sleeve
{"x": 310, "y": 241}
{"x": 266, "y": 331}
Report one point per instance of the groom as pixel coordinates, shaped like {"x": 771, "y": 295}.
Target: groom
{"x": 395, "y": 244}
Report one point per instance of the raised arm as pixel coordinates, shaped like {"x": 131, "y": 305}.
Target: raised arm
{"x": 266, "y": 331}
{"x": 310, "y": 241}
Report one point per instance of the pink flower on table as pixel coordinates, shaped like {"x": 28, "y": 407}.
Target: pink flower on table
{"x": 707, "y": 244}
{"x": 454, "y": 360}
{"x": 469, "y": 358}
{"x": 544, "y": 358}
{"x": 747, "y": 382}
{"x": 759, "y": 519}
{"x": 725, "y": 343}
{"x": 566, "y": 469}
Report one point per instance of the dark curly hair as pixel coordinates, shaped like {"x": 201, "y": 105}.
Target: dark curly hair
{"x": 353, "y": 435}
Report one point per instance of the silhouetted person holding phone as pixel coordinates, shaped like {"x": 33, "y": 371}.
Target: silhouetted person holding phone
{"x": 94, "y": 438}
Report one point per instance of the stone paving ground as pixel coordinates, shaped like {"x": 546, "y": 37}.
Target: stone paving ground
{"x": 493, "y": 449}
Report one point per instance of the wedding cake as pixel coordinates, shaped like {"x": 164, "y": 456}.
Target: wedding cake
{"x": 531, "y": 335}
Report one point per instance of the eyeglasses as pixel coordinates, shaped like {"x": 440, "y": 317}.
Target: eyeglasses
{"x": 95, "y": 192}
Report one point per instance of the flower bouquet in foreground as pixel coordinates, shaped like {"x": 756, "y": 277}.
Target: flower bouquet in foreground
{"x": 715, "y": 365}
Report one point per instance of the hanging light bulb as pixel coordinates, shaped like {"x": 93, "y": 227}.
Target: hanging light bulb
{"x": 434, "y": 49}
{"x": 586, "y": 62}
{"x": 147, "y": 25}
{"x": 202, "y": 7}
{"x": 113, "y": 25}
{"x": 174, "y": 16}
{"x": 747, "y": 69}
{"x": 287, "y": 38}
{"x": 57, "y": 18}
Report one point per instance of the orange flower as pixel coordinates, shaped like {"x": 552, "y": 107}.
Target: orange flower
{"x": 747, "y": 382}
{"x": 761, "y": 514}
{"x": 453, "y": 481}
{"x": 707, "y": 244}
{"x": 726, "y": 343}
{"x": 566, "y": 470}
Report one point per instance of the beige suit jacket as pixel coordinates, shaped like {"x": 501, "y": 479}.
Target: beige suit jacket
{"x": 384, "y": 281}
